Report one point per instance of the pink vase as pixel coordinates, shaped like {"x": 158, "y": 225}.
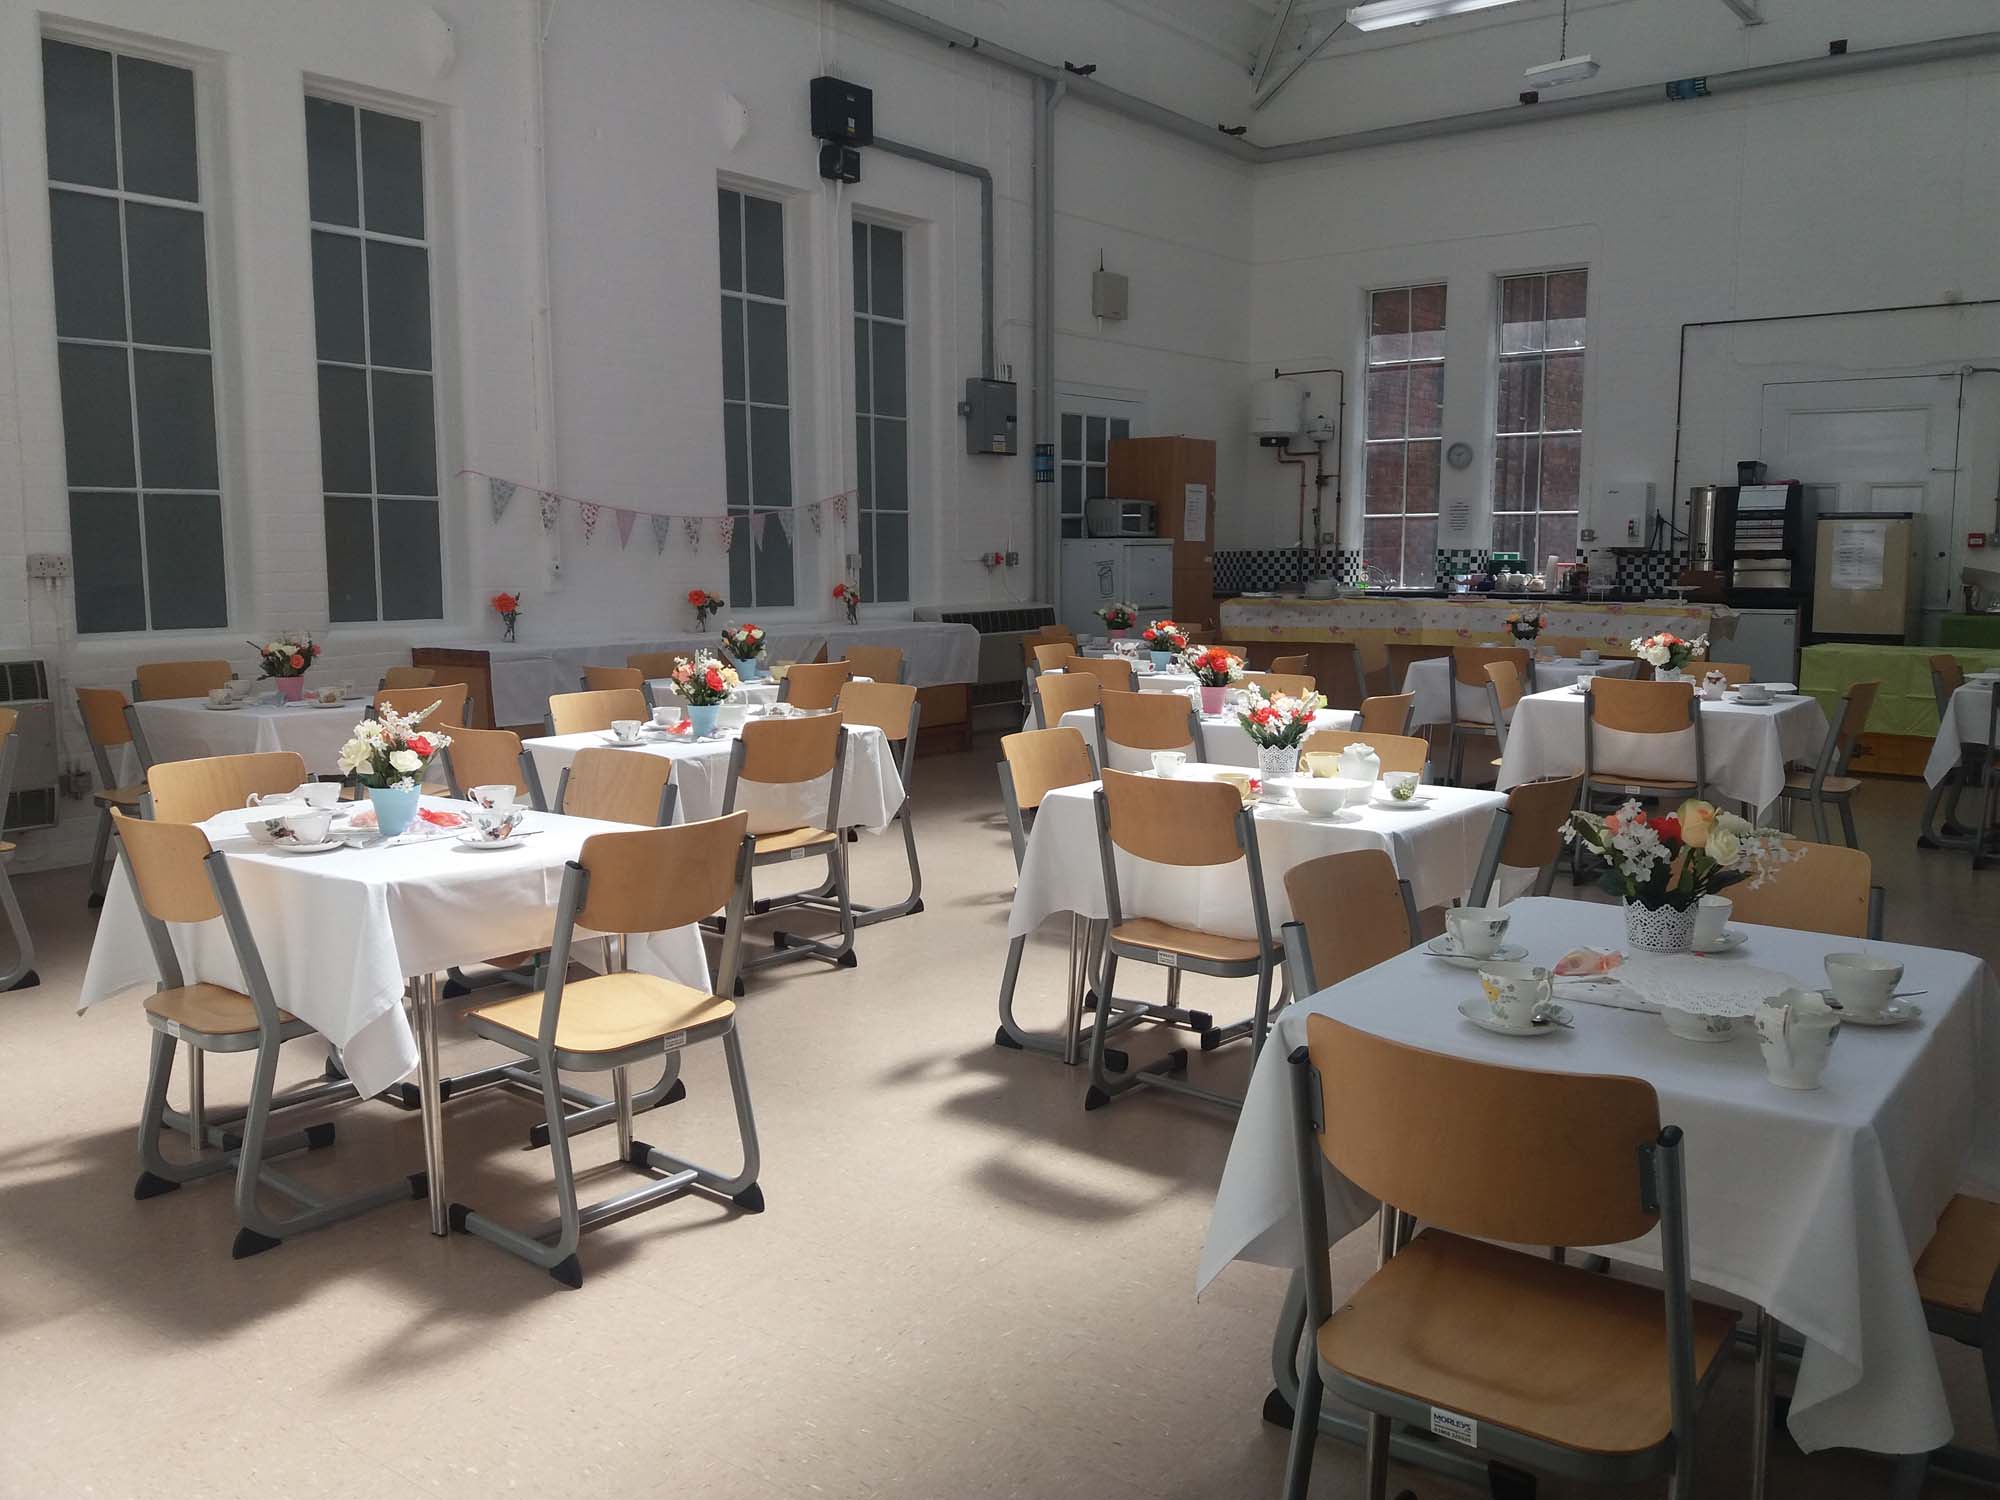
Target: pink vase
{"x": 293, "y": 688}
{"x": 1211, "y": 699}
{"x": 1119, "y": 635}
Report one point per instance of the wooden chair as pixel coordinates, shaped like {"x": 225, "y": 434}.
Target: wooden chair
{"x": 881, "y": 663}
{"x": 1631, "y": 706}
{"x": 648, "y": 880}
{"x": 178, "y": 679}
{"x": 790, "y": 753}
{"x": 1397, "y": 752}
{"x": 1828, "y": 781}
{"x": 891, "y": 707}
{"x": 653, "y": 665}
{"x": 1547, "y": 1366}
{"x": 1465, "y": 685}
{"x": 1388, "y": 713}
{"x": 176, "y": 877}
{"x": 1958, "y": 1278}
{"x": 20, "y": 974}
{"x": 1140, "y": 723}
{"x": 1947, "y": 677}
{"x": 1280, "y": 684}
{"x": 407, "y": 677}
{"x": 609, "y": 679}
{"x": 1114, "y": 673}
{"x": 448, "y": 696}
{"x": 1821, "y": 888}
{"x": 193, "y": 791}
{"x": 1503, "y": 691}
{"x": 588, "y": 713}
{"x": 814, "y": 685}
{"x": 1350, "y": 911}
{"x": 1192, "y": 825}
{"x": 1050, "y": 656}
{"x": 1526, "y": 834}
{"x": 618, "y": 786}
{"x": 489, "y": 757}
{"x": 1058, "y": 693}
{"x": 1293, "y": 666}
{"x": 107, "y": 724}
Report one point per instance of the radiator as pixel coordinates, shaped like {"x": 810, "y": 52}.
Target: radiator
{"x": 24, "y": 687}
{"x": 1001, "y": 629}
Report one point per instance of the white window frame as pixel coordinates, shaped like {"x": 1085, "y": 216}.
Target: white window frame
{"x": 1534, "y": 559}
{"x": 905, "y": 323}
{"x": 796, "y": 354}
{"x": 1084, "y": 402}
{"x": 1368, "y": 366}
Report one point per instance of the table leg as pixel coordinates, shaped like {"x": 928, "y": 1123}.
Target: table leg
{"x": 428, "y": 1096}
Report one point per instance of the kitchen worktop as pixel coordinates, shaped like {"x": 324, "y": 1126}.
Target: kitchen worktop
{"x": 1438, "y": 619}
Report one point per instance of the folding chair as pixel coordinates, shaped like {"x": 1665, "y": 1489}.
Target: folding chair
{"x": 891, "y": 707}
{"x": 1397, "y": 752}
{"x": 1388, "y": 714}
{"x": 107, "y": 725}
{"x": 20, "y": 975}
{"x": 1465, "y": 684}
{"x": 791, "y": 753}
{"x": 1113, "y": 673}
{"x": 880, "y": 663}
{"x": 587, "y": 713}
{"x": 407, "y": 677}
{"x": 1828, "y": 781}
{"x": 193, "y": 791}
{"x": 1140, "y": 723}
{"x": 1820, "y": 888}
{"x": 178, "y": 679}
{"x": 1059, "y": 693}
{"x": 448, "y": 696}
{"x": 605, "y": 679}
{"x": 1958, "y": 1278}
{"x": 1280, "y": 684}
{"x": 1947, "y": 677}
{"x": 649, "y": 880}
{"x": 1546, "y": 1366}
{"x": 1350, "y": 911}
{"x": 814, "y": 685}
{"x": 489, "y": 757}
{"x": 1527, "y": 834}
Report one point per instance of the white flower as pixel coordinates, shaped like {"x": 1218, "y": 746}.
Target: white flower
{"x": 1724, "y": 845}
{"x": 405, "y": 761}
{"x": 1741, "y": 827}
{"x": 355, "y": 755}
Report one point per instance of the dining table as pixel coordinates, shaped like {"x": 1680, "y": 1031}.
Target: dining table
{"x": 1224, "y": 741}
{"x": 189, "y": 728}
{"x": 1810, "y": 1204}
{"x": 353, "y": 938}
{"x": 1428, "y": 682}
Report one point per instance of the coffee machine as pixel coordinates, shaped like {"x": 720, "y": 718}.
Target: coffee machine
{"x": 1760, "y": 534}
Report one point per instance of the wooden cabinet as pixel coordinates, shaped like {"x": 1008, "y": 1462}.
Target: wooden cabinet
{"x": 1164, "y": 470}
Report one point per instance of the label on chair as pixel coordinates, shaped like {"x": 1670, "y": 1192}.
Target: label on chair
{"x": 798, "y": 854}
{"x": 1459, "y": 1429}
{"x": 1171, "y": 960}
{"x": 674, "y": 1042}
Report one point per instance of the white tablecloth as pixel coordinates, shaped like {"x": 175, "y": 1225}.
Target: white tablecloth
{"x": 764, "y": 690}
{"x": 1748, "y": 747}
{"x": 1813, "y": 1205}
{"x": 187, "y": 728}
{"x": 340, "y": 932}
{"x": 1965, "y": 723}
{"x": 1435, "y": 848}
{"x": 871, "y": 786}
{"x": 1429, "y": 681}
{"x": 1223, "y": 740}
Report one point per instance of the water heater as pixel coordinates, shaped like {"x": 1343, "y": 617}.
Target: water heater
{"x": 1276, "y": 409}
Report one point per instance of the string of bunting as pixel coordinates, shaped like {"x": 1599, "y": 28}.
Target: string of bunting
{"x": 500, "y": 493}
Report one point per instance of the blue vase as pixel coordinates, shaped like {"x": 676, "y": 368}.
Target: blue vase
{"x": 395, "y": 808}
{"x": 702, "y": 716}
{"x": 1162, "y": 660}
{"x": 750, "y": 669}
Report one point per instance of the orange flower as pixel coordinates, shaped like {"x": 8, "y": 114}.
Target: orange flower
{"x": 298, "y": 662}
{"x": 697, "y": 597}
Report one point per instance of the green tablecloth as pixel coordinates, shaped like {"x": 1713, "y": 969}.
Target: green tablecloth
{"x": 1906, "y": 704}
{"x": 1980, "y": 632}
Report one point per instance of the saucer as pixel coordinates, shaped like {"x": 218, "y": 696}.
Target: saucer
{"x": 1732, "y": 937}
{"x": 320, "y": 848}
{"x": 631, "y": 744}
{"x": 1480, "y": 1015}
{"x": 222, "y": 708}
{"x": 512, "y": 841}
{"x": 1895, "y": 1013}
{"x": 1390, "y": 804}
{"x": 1506, "y": 953}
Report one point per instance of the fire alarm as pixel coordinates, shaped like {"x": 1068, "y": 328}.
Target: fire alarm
{"x": 1975, "y": 539}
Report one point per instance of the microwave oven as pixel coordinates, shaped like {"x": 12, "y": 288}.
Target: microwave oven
{"x": 1119, "y": 518}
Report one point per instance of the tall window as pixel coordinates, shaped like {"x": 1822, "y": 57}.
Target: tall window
{"x": 129, "y": 237}
{"x": 1082, "y": 460}
{"x": 1404, "y": 434}
{"x": 882, "y": 412}
{"x": 1538, "y": 429}
{"x": 756, "y": 395}
{"x": 371, "y": 263}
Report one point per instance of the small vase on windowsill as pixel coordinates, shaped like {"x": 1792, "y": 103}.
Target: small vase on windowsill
{"x": 1659, "y": 929}
{"x": 1275, "y": 761}
{"x": 291, "y": 688}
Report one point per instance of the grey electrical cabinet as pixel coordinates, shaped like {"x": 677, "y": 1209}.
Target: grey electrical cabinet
{"x": 992, "y": 416}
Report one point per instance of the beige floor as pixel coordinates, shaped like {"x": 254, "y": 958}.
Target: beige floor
{"x": 964, "y": 1285}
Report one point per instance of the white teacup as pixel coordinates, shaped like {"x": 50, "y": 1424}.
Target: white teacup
{"x": 1796, "y": 1032}
{"x": 322, "y": 794}
{"x": 218, "y": 696}
{"x": 489, "y": 825}
{"x": 626, "y": 731}
{"x": 1518, "y": 994}
{"x": 1476, "y": 931}
{"x": 1588, "y": 657}
{"x": 1711, "y": 919}
{"x": 1167, "y": 764}
{"x": 329, "y": 694}
{"x": 667, "y": 715}
{"x": 1753, "y": 692}
{"x": 1584, "y": 680}
{"x": 1861, "y": 982}
{"x": 496, "y": 794}
{"x": 299, "y": 824}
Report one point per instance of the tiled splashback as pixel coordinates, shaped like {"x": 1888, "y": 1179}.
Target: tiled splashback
{"x": 1648, "y": 572}
{"x": 1256, "y": 570}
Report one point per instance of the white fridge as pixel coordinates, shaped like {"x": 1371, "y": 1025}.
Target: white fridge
{"x": 1105, "y": 570}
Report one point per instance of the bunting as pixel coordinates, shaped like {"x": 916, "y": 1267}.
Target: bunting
{"x": 785, "y": 523}
{"x": 551, "y": 508}
{"x": 663, "y": 527}
{"x": 839, "y": 503}
{"x": 726, "y": 529}
{"x": 500, "y": 493}
{"x": 589, "y": 510}
{"x": 624, "y": 518}
{"x": 757, "y": 522}
{"x": 691, "y": 529}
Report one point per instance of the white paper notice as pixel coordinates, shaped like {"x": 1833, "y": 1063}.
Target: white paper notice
{"x": 1194, "y": 521}
{"x": 1857, "y": 555}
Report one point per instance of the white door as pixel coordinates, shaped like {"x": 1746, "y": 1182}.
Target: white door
{"x": 1875, "y": 445}
{"x": 1087, "y": 420}
{"x": 1149, "y": 574}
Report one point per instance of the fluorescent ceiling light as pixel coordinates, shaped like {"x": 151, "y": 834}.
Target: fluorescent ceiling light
{"x": 1381, "y": 14}
{"x": 1567, "y": 70}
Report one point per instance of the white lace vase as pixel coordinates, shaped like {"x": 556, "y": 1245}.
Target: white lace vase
{"x": 1659, "y": 929}
{"x": 1277, "y": 760}
{"x": 1669, "y": 674}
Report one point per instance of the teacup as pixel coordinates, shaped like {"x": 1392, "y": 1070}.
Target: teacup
{"x": 1588, "y": 657}
{"x": 489, "y": 825}
{"x": 1238, "y": 779}
{"x": 1796, "y": 1031}
{"x": 1322, "y": 763}
{"x": 1167, "y": 763}
{"x": 666, "y": 716}
{"x": 300, "y": 824}
{"x": 218, "y": 696}
{"x": 1861, "y": 982}
{"x": 238, "y": 689}
{"x": 1517, "y": 994}
{"x": 327, "y": 695}
{"x": 625, "y": 731}
{"x": 1711, "y": 919}
{"x": 1753, "y": 692}
{"x": 1402, "y": 785}
{"x": 1476, "y": 931}
{"x": 494, "y": 795}
{"x": 1584, "y": 680}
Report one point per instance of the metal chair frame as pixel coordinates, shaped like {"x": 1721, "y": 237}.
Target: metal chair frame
{"x": 20, "y": 975}
{"x": 100, "y": 849}
{"x": 832, "y": 894}
{"x": 1608, "y": 786}
{"x": 1944, "y": 797}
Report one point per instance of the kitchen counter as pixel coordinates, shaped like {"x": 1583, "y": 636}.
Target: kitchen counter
{"x": 1451, "y": 619}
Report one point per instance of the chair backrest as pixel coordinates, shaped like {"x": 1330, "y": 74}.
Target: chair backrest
{"x": 408, "y": 677}
{"x": 1947, "y": 677}
{"x": 1241, "y": 653}
{"x": 618, "y": 786}
{"x": 1403, "y": 655}
{"x": 1537, "y": 812}
{"x": 1064, "y": 692}
{"x": 1040, "y": 760}
{"x": 1388, "y": 713}
{"x": 1397, "y": 752}
{"x": 1293, "y": 665}
{"x": 1733, "y": 672}
{"x": 180, "y": 679}
{"x": 193, "y": 791}
{"x": 887, "y": 706}
{"x": 1051, "y": 656}
{"x": 166, "y": 863}
{"x": 1468, "y": 663}
{"x": 1633, "y": 705}
{"x": 883, "y": 663}
{"x": 655, "y": 664}
{"x": 103, "y": 714}
{"x": 9, "y": 747}
{"x": 782, "y": 751}
{"x": 581, "y": 713}
{"x": 1504, "y": 678}
{"x": 448, "y": 696}
{"x": 9, "y": 717}
{"x": 1354, "y": 911}
{"x": 1114, "y": 672}
{"x": 1280, "y": 684}
{"x": 1185, "y": 822}
{"x": 656, "y": 879}
{"x": 483, "y": 757}
{"x": 1147, "y": 721}
{"x": 1822, "y": 888}
{"x": 816, "y": 684}
{"x": 1508, "y": 1154}
{"x": 1855, "y": 706}
{"x": 608, "y": 679}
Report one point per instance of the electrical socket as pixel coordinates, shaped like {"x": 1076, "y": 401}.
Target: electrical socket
{"x": 1013, "y": 559}
{"x": 54, "y": 566}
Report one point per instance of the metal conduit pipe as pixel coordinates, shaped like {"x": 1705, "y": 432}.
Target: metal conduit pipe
{"x": 985, "y": 180}
{"x": 1047, "y": 529}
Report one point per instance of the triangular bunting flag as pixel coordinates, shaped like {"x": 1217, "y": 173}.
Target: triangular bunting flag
{"x": 501, "y": 493}
{"x": 691, "y": 529}
{"x": 758, "y": 521}
{"x": 726, "y": 529}
{"x": 663, "y": 527}
{"x": 551, "y": 508}
{"x": 786, "y": 521}
{"x": 812, "y": 514}
{"x": 589, "y": 510}
{"x": 624, "y": 518}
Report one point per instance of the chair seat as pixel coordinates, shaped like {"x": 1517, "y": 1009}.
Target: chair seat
{"x": 1959, "y": 1262}
{"x": 119, "y": 796}
{"x": 208, "y": 1009}
{"x": 609, "y": 1013}
{"x": 6, "y": 847}
{"x": 1144, "y": 932}
{"x": 793, "y": 838}
{"x": 1555, "y": 1352}
{"x": 514, "y": 960}
{"x": 1650, "y": 783}
{"x": 1838, "y": 786}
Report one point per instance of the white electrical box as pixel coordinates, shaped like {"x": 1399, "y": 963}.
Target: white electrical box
{"x": 1110, "y": 294}
{"x": 1630, "y": 499}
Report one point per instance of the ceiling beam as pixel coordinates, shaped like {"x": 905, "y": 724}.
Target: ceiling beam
{"x": 1281, "y": 17}
{"x": 1747, "y": 11}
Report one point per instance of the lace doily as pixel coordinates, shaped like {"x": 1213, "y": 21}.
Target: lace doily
{"x": 1701, "y": 986}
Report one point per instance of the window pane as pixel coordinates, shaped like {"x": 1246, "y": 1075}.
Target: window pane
{"x": 1557, "y": 535}
{"x": 1516, "y": 473}
{"x": 769, "y": 377}
{"x": 773, "y": 565}
{"x": 1521, "y": 314}
{"x": 405, "y": 435}
{"x": 332, "y": 190}
{"x": 1389, "y": 325}
{"x": 1566, "y": 299}
{"x": 1072, "y": 437}
{"x": 412, "y": 576}
{"x": 392, "y": 174}
{"x": 1427, "y": 322}
{"x": 864, "y": 462}
{"x": 184, "y": 561}
{"x": 862, "y": 398}
{"x": 1426, "y": 400}
{"x": 1072, "y": 488}
{"x": 1512, "y": 533}
{"x": 1383, "y": 492}
{"x": 885, "y": 267}
{"x": 168, "y": 269}
{"x": 763, "y": 247}
{"x": 736, "y": 456}
{"x": 892, "y": 558}
{"x": 76, "y": 105}
{"x": 1420, "y": 553}
{"x": 1382, "y": 545}
{"x": 1564, "y": 395}
{"x": 1388, "y": 401}
{"x": 343, "y": 431}
{"x": 1093, "y": 482}
{"x": 97, "y": 415}
{"x": 350, "y": 558}
{"x": 1093, "y": 439}
{"x": 1519, "y": 408}
{"x": 732, "y": 349}
{"x": 1562, "y": 465}
{"x": 89, "y": 271}
{"x": 741, "y": 586}
{"x": 771, "y": 460}
{"x": 336, "y": 260}
{"x": 860, "y": 257}
{"x": 156, "y": 128}
{"x": 729, "y": 236}
{"x": 175, "y": 395}
{"x": 399, "y": 306}
{"x": 892, "y": 464}
{"x": 1420, "y": 484}
{"x": 110, "y": 582}
{"x": 1120, "y": 429}
{"x": 891, "y": 397}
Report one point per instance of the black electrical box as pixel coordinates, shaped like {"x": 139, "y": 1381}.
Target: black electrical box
{"x": 842, "y": 112}
{"x": 839, "y": 163}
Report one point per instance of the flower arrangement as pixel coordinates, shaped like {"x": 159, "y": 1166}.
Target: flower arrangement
{"x": 1667, "y": 651}
{"x": 1674, "y": 859}
{"x": 287, "y": 656}
{"x": 1279, "y": 723}
{"x": 507, "y": 605}
{"x": 744, "y": 642}
{"x": 1118, "y": 615}
{"x": 703, "y": 681}
{"x": 1526, "y": 627}
{"x": 848, "y": 595}
{"x": 1211, "y": 666}
{"x": 1164, "y": 636}
{"x": 705, "y": 604}
{"x": 389, "y": 751}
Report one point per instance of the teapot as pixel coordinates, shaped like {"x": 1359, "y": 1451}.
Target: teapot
{"x": 1359, "y": 762}
{"x": 1796, "y": 1031}
{"x": 1713, "y": 686}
